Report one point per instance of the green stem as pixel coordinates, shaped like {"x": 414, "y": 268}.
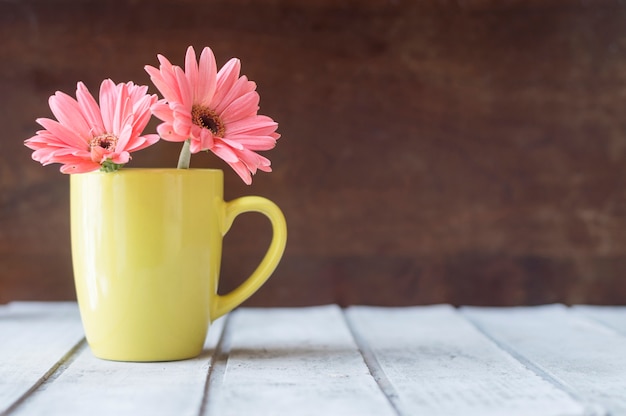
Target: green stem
{"x": 185, "y": 156}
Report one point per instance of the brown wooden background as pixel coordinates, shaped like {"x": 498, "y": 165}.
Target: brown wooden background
{"x": 463, "y": 151}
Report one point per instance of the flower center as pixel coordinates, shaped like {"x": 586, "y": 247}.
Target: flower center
{"x": 208, "y": 119}
{"x": 105, "y": 141}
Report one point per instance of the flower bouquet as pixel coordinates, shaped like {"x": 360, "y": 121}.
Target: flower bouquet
{"x": 146, "y": 243}
{"x": 206, "y": 109}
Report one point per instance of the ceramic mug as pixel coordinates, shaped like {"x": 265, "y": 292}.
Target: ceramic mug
{"x": 146, "y": 251}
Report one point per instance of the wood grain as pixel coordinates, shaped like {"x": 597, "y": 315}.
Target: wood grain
{"x": 435, "y": 360}
{"x": 611, "y": 316}
{"x": 468, "y": 152}
{"x": 99, "y": 387}
{"x": 576, "y": 353}
{"x": 270, "y": 352}
{"x": 431, "y": 372}
{"x": 37, "y": 339}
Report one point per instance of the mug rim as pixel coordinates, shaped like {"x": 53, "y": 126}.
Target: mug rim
{"x": 147, "y": 169}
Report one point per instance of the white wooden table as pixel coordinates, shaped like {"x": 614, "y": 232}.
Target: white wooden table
{"x": 432, "y": 360}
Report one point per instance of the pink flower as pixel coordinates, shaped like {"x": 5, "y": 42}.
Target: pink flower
{"x": 216, "y": 111}
{"x": 88, "y": 137}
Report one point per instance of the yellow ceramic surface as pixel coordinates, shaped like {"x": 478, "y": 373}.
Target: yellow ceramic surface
{"x": 146, "y": 249}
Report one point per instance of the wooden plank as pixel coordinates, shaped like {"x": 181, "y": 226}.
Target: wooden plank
{"x": 91, "y": 386}
{"x": 585, "y": 358}
{"x": 35, "y": 339}
{"x": 432, "y": 361}
{"x": 293, "y": 362}
{"x": 611, "y": 316}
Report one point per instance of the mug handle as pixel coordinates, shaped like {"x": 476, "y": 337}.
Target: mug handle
{"x": 226, "y": 303}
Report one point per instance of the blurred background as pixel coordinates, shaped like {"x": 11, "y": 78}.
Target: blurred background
{"x": 462, "y": 151}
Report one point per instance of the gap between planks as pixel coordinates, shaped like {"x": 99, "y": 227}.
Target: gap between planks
{"x": 55, "y": 371}
{"x": 579, "y": 354}
{"x": 217, "y": 373}
{"x": 521, "y": 358}
{"x": 218, "y": 363}
{"x": 439, "y": 363}
{"x": 223, "y": 349}
{"x": 107, "y": 387}
{"x": 38, "y": 340}
{"x": 387, "y": 389}
{"x": 302, "y": 361}
{"x": 375, "y": 369}
{"x": 217, "y": 367}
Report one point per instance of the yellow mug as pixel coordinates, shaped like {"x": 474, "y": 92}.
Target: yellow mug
{"x": 146, "y": 252}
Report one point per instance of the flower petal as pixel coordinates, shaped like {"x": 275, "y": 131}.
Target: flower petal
{"x": 253, "y": 142}
{"x": 224, "y": 152}
{"x": 162, "y": 111}
{"x": 122, "y": 110}
{"x": 80, "y": 166}
{"x": 68, "y": 112}
{"x": 62, "y": 133}
{"x": 207, "y": 81}
{"x": 142, "y": 142}
{"x": 107, "y": 104}
{"x": 241, "y": 87}
{"x": 191, "y": 70}
{"x": 243, "y": 107}
{"x": 184, "y": 88}
{"x": 90, "y": 109}
{"x": 167, "y": 89}
{"x": 166, "y": 131}
{"x": 242, "y": 170}
{"x": 226, "y": 78}
{"x": 142, "y": 113}
{"x": 255, "y": 125}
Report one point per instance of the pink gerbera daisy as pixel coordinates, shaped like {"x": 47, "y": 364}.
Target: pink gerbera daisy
{"x": 88, "y": 137}
{"x": 214, "y": 111}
